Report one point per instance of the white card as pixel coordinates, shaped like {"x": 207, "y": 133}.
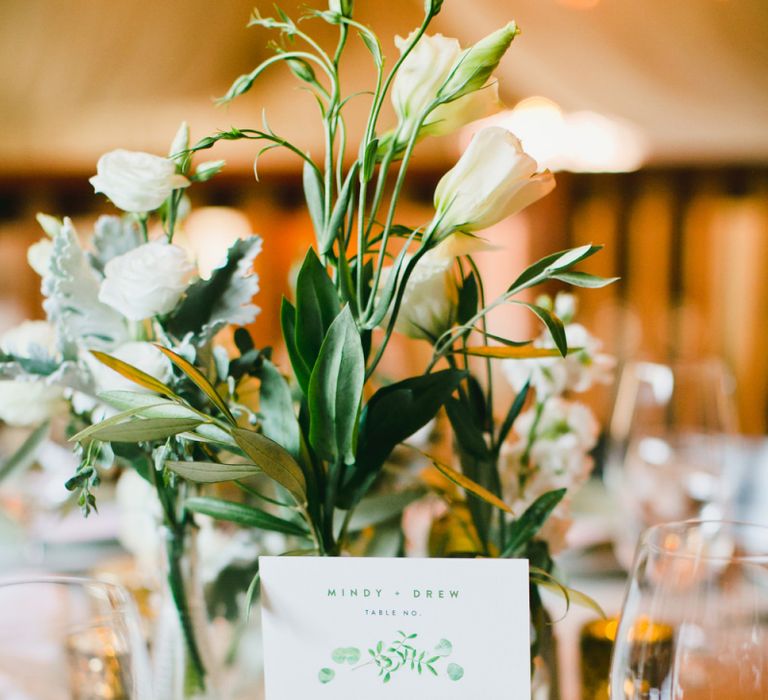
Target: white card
{"x": 347, "y": 628}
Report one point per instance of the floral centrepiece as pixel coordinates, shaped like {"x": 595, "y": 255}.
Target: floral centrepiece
{"x": 302, "y": 450}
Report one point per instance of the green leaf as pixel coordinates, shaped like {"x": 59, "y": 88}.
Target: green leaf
{"x": 213, "y": 433}
{"x": 313, "y": 193}
{"x": 468, "y": 300}
{"x": 226, "y": 298}
{"x": 554, "y": 326}
{"x": 392, "y": 415}
{"x": 317, "y": 305}
{"x": 326, "y": 675}
{"x": 382, "y": 507}
{"x": 71, "y": 291}
{"x": 136, "y": 375}
{"x": 199, "y": 380}
{"x": 544, "y": 268}
{"x": 114, "y": 236}
{"x": 278, "y": 420}
{"x": 242, "y": 514}
{"x": 372, "y": 44}
{"x": 25, "y": 455}
{"x": 582, "y": 279}
{"x": 336, "y": 222}
{"x": 141, "y": 430}
{"x": 273, "y": 460}
{"x": 369, "y": 159}
{"x": 543, "y": 578}
{"x": 335, "y": 390}
{"x": 530, "y": 522}
{"x": 288, "y": 326}
{"x": 468, "y": 434}
{"x": 510, "y": 352}
{"x": 118, "y": 418}
{"x": 512, "y": 414}
{"x": 153, "y": 406}
{"x": 471, "y": 487}
{"x": 212, "y": 472}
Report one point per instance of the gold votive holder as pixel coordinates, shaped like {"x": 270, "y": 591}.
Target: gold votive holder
{"x": 651, "y": 656}
{"x": 595, "y": 647}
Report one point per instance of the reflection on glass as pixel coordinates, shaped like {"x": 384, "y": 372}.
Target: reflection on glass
{"x": 695, "y": 620}
{"x": 670, "y": 437}
{"x": 70, "y": 639}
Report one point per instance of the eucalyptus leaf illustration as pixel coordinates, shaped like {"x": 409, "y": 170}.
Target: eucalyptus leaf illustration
{"x": 326, "y": 675}
{"x": 402, "y": 653}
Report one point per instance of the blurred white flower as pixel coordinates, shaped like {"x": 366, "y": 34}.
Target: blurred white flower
{"x": 39, "y": 256}
{"x": 139, "y": 514}
{"x": 143, "y": 356}
{"x": 428, "y": 307}
{"x": 30, "y": 339}
{"x": 418, "y": 519}
{"x": 551, "y": 376}
{"x": 146, "y": 281}
{"x": 493, "y": 179}
{"x": 135, "y": 181}
{"x": 25, "y": 404}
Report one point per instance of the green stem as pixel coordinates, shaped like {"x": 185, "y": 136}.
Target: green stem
{"x": 178, "y": 591}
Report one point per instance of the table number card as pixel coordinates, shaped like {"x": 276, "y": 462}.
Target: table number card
{"x": 435, "y": 629}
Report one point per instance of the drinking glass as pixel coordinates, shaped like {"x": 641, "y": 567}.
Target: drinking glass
{"x": 694, "y": 625}
{"x": 70, "y": 639}
{"x": 669, "y": 441}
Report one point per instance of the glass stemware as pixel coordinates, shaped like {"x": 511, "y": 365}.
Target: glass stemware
{"x": 694, "y": 625}
{"x": 70, "y": 639}
{"x": 669, "y": 441}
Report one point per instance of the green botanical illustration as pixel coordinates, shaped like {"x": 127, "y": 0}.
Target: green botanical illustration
{"x": 401, "y": 654}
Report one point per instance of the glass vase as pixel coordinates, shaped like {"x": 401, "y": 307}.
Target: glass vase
{"x": 183, "y": 662}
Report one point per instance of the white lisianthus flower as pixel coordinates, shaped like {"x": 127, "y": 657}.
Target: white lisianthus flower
{"x": 136, "y": 182}
{"x": 30, "y": 339}
{"x": 143, "y": 356}
{"x": 428, "y": 308}
{"x": 493, "y": 179}
{"x": 422, "y": 74}
{"x": 146, "y": 281}
{"x": 421, "y": 78}
{"x": 39, "y": 256}
{"x": 25, "y": 404}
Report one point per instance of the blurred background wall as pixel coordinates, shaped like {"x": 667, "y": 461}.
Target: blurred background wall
{"x": 655, "y": 114}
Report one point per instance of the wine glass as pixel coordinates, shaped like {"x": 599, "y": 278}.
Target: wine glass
{"x": 695, "y": 620}
{"x": 669, "y": 442}
{"x": 70, "y": 639}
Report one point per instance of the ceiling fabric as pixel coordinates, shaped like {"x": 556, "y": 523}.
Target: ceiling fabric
{"x": 81, "y": 77}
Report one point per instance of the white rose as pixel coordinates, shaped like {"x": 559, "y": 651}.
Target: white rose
{"x": 30, "y": 339}
{"x": 146, "y": 281}
{"x": 428, "y": 307}
{"x": 135, "y": 181}
{"x": 39, "y": 256}
{"x": 422, "y": 74}
{"x": 493, "y": 179}
{"x": 26, "y": 404}
{"x": 143, "y": 356}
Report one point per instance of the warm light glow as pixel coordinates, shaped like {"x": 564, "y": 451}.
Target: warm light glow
{"x": 209, "y": 232}
{"x": 580, "y": 4}
{"x": 578, "y": 141}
